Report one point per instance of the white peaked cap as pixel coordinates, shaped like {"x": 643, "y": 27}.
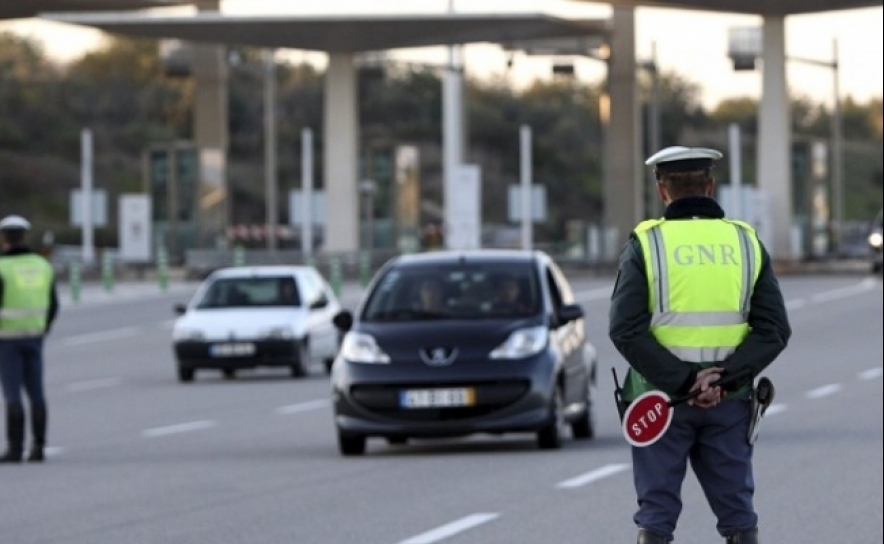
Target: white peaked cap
{"x": 681, "y": 153}
{"x": 14, "y": 222}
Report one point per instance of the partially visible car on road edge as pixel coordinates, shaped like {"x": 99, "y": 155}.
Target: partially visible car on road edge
{"x": 876, "y": 242}
{"x": 257, "y": 316}
{"x": 470, "y": 364}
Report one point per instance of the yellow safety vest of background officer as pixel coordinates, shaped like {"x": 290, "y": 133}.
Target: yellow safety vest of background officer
{"x": 696, "y": 299}
{"x": 28, "y": 306}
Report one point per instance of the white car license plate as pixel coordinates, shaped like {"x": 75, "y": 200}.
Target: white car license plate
{"x": 437, "y": 398}
{"x": 232, "y": 349}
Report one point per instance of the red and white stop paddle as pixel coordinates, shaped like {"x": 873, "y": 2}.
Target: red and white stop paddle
{"x": 648, "y": 417}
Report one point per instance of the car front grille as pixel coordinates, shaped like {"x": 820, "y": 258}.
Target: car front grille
{"x": 490, "y": 398}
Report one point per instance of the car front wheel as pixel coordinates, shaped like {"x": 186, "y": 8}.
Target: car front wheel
{"x": 550, "y": 436}
{"x": 351, "y": 444}
{"x": 185, "y": 373}
{"x": 301, "y": 366}
{"x": 584, "y": 427}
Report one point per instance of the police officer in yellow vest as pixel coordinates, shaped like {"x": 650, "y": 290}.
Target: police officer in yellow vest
{"x": 696, "y": 300}
{"x": 28, "y": 306}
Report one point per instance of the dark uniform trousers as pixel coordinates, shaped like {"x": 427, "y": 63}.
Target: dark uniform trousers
{"x": 21, "y": 367}
{"x": 712, "y": 437}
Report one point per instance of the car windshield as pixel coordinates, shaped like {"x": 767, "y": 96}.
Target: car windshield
{"x": 250, "y": 291}
{"x": 458, "y": 291}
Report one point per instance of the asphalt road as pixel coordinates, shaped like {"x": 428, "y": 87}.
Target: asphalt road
{"x": 138, "y": 458}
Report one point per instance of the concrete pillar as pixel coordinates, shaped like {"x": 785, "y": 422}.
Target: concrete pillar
{"x": 210, "y": 131}
{"x": 452, "y": 134}
{"x": 774, "y": 139}
{"x": 340, "y": 154}
{"x": 623, "y": 185}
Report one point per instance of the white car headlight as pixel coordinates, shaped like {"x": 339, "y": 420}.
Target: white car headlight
{"x": 277, "y": 333}
{"x": 182, "y": 334}
{"x": 522, "y": 343}
{"x": 875, "y": 239}
{"x": 359, "y": 347}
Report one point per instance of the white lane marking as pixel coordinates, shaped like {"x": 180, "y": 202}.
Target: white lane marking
{"x": 595, "y": 294}
{"x": 103, "y": 336}
{"x": 303, "y": 406}
{"x": 796, "y": 304}
{"x": 823, "y": 391}
{"x": 450, "y": 529}
{"x": 871, "y": 374}
{"x": 593, "y": 476}
{"x": 843, "y": 292}
{"x": 88, "y": 385}
{"x": 775, "y": 409}
{"x": 179, "y": 428}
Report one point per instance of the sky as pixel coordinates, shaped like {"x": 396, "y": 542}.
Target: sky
{"x": 693, "y": 44}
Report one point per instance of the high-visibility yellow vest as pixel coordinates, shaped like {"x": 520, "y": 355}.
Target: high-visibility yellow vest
{"x": 27, "y": 283}
{"x": 701, "y": 274}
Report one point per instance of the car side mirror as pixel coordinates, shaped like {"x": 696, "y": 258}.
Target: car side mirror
{"x": 343, "y": 320}
{"x": 570, "y": 312}
{"x": 320, "y": 303}
{"x": 179, "y": 309}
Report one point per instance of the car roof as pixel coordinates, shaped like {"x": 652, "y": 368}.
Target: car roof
{"x": 261, "y": 271}
{"x": 444, "y": 257}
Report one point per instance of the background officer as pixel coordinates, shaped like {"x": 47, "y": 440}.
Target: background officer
{"x": 28, "y": 306}
{"x": 695, "y": 299}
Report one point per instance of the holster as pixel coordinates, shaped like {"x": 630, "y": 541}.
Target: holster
{"x": 760, "y": 398}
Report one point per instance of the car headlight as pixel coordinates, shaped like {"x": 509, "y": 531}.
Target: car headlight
{"x": 277, "y": 333}
{"x": 875, "y": 239}
{"x": 359, "y": 347}
{"x": 185, "y": 334}
{"x": 522, "y": 343}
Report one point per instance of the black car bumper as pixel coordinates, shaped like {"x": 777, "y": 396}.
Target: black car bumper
{"x": 194, "y": 354}
{"x": 505, "y": 396}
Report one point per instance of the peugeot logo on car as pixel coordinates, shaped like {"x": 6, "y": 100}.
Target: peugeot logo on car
{"x": 438, "y": 356}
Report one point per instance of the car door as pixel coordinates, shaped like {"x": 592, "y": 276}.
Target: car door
{"x": 569, "y": 337}
{"x": 321, "y": 306}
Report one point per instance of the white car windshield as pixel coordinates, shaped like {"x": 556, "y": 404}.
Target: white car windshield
{"x": 459, "y": 291}
{"x": 250, "y": 291}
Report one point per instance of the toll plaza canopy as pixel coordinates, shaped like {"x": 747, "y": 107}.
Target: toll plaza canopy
{"x": 341, "y": 33}
{"x": 341, "y": 36}
{"x": 11, "y": 9}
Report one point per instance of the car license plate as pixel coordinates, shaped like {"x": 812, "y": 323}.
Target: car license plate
{"x": 232, "y": 349}
{"x": 437, "y": 398}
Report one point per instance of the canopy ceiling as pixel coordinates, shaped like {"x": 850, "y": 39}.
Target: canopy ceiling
{"x": 344, "y": 33}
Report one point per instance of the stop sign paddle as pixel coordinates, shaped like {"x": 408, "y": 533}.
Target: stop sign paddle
{"x": 649, "y": 415}
{"x": 647, "y": 418}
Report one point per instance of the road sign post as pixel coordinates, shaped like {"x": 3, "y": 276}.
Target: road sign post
{"x": 107, "y": 272}
{"x": 74, "y": 279}
{"x": 335, "y": 275}
{"x": 239, "y": 256}
{"x": 163, "y": 267}
{"x": 364, "y": 268}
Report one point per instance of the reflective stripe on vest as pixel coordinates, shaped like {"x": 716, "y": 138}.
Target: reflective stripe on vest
{"x": 701, "y": 274}
{"x": 27, "y": 284}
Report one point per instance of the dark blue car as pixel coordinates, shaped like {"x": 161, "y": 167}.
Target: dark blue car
{"x": 455, "y": 343}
